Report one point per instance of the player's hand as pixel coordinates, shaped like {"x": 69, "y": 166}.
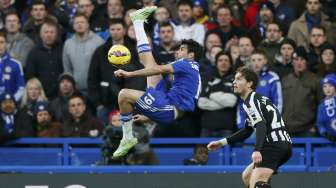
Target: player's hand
{"x": 122, "y": 73}
{"x": 140, "y": 118}
{"x": 256, "y": 157}
{"x": 214, "y": 145}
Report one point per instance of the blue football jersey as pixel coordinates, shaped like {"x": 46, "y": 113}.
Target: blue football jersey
{"x": 186, "y": 84}
{"x": 326, "y": 116}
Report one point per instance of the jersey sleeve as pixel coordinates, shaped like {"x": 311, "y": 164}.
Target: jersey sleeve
{"x": 253, "y": 110}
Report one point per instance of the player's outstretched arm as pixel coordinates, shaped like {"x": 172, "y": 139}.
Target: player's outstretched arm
{"x": 238, "y": 136}
{"x": 149, "y": 71}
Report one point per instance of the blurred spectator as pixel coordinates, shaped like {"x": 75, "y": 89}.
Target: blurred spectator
{"x": 217, "y": 101}
{"x": 103, "y": 86}
{"x": 45, "y": 125}
{"x": 59, "y": 105}
{"x": 39, "y": 15}
{"x": 283, "y": 59}
{"x": 329, "y": 7}
{"x": 300, "y": 28}
{"x": 80, "y": 123}
{"x": 172, "y": 7}
{"x": 317, "y": 37}
{"x": 186, "y": 27}
{"x": 234, "y": 52}
{"x": 284, "y": 13}
{"x": 265, "y": 16}
{"x": 33, "y": 93}
{"x": 11, "y": 73}
{"x": 141, "y": 154}
{"x": 326, "y": 115}
{"x": 115, "y": 9}
{"x": 164, "y": 51}
{"x": 45, "y": 60}
{"x": 5, "y": 8}
{"x": 161, "y": 16}
{"x": 327, "y": 64}
{"x": 78, "y": 50}
{"x": 251, "y": 13}
{"x": 69, "y": 7}
{"x": 271, "y": 44}
{"x": 200, "y": 156}
{"x": 13, "y": 123}
{"x": 225, "y": 28}
{"x": 208, "y": 63}
{"x": 96, "y": 22}
{"x": 269, "y": 84}
{"x": 301, "y": 94}
{"x": 131, "y": 32}
{"x": 127, "y": 17}
{"x": 213, "y": 44}
{"x": 238, "y": 8}
{"x": 213, "y": 7}
{"x": 245, "y": 51}
{"x": 200, "y": 11}
{"x": 18, "y": 44}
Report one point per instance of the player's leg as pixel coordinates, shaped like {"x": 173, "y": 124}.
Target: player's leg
{"x": 247, "y": 174}
{"x": 126, "y": 100}
{"x": 145, "y": 52}
{"x": 260, "y": 176}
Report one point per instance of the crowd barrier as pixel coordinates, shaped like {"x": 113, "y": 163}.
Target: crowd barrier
{"x": 70, "y": 155}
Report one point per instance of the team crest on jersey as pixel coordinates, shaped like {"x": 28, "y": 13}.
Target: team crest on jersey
{"x": 262, "y": 82}
{"x": 8, "y": 69}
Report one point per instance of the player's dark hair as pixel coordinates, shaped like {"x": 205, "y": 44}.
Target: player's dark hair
{"x": 193, "y": 47}
{"x": 249, "y": 75}
{"x": 114, "y": 21}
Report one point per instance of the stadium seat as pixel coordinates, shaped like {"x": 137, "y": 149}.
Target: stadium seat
{"x": 30, "y": 156}
{"x": 298, "y": 157}
{"x": 84, "y": 156}
{"x": 241, "y": 155}
{"x": 173, "y": 156}
{"x": 324, "y": 157}
{"x": 216, "y": 157}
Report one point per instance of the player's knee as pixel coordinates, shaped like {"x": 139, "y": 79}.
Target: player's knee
{"x": 262, "y": 184}
{"x": 245, "y": 178}
{"x": 123, "y": 96}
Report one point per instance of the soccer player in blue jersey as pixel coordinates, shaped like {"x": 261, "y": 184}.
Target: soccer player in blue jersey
{"x": 165, "y": 98}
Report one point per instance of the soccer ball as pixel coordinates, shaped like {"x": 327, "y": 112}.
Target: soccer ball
{"x": 119, "y": 55}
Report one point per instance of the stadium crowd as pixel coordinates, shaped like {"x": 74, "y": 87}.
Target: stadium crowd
{"x": 56, "y": 80}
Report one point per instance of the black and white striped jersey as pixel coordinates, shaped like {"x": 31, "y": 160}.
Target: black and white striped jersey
{"x": 259, "y": 108}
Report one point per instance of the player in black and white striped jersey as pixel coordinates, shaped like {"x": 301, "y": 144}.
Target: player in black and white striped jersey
{"x": 273, "y": 145}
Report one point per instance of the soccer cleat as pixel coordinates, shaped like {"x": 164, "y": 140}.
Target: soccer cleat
{"x": 142, "y": 14}
{"x": 124, "y": 146}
